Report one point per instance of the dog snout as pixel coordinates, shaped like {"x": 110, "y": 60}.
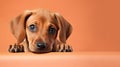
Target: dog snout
{"x": 41, "y": 45}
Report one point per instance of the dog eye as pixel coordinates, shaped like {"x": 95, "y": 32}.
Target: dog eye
{"x": 32, "y": 28}
{"x": 52, "y": 30}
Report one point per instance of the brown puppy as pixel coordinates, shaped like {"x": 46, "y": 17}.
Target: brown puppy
{"x": 40, "y": 31}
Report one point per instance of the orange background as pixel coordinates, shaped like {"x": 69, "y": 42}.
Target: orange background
{"x": 96, "y": 23}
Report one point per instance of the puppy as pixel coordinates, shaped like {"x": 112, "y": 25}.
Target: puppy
{"x": 40, "y": 31}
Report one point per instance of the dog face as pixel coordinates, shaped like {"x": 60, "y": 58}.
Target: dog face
{"x": 41, "y": 31}
{"x": 40, "y": 28}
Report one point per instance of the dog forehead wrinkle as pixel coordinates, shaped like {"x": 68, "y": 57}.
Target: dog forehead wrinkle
{"x": 43, "y": 19}
{"x": 44, "y": 14}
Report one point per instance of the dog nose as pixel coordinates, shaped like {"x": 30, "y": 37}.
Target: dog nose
{"x": 41, "y": 45}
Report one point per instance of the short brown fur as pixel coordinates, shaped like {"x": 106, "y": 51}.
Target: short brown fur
{"x": 43, "y": 20}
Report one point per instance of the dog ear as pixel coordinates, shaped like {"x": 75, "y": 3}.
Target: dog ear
{"x": 65, "y": 28}
{"x": 18, "y": 26}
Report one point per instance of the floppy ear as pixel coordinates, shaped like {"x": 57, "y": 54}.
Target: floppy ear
{"x": 18, "y": 26}
{"x": 65, "y": 28}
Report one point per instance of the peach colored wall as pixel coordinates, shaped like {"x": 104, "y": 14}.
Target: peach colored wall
{"x": 96, "y": 23}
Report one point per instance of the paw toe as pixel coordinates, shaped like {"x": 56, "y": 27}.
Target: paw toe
{"x": 68, "y": 49}
{"x": 65, "y": 48}
{"x": 16, "y": 48}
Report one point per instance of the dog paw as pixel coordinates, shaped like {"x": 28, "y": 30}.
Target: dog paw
{"x": 65, "y": 48}
{"x": 16, "y": 48}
